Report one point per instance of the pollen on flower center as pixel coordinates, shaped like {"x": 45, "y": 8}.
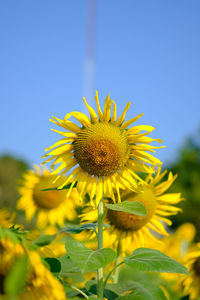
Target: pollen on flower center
{"x": 130, "y": 222}
{"x": 101, "y": 149}
{"x": 47, "y": 199}
{"x": 196, "y": 266}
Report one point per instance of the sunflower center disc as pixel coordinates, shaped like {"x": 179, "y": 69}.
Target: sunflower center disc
{"x": 129, "y": 222}
{"x": 196, "y": 266}
{"x": 47, "y": 199}
{"x": 101, "y": 149}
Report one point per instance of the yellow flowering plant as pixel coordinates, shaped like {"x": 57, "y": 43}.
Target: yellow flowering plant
{"x": 106, "y": 158}
{"x": 98, "y": 215}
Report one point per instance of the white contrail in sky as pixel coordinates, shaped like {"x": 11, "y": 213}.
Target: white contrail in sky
{"x": 89, "y": 63}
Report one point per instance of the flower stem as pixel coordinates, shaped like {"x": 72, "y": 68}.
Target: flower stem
{"x": 78, "y": 290}
{"x": 100, "y": 246}
{"x": 118, "y": 260}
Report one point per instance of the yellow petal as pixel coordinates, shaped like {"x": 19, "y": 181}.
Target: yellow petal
{"x": 66, "y": 124}
{"x": 107, "y": 109}
{"x": 98, "y": 107}
{"x": 120, "y": 120}
{"x": 129, "y": 122}
{"x": 170, "y": 198}
{"x": 137, "y": 129}
{"x": 60, "y": 142}
{"x": 92, "y": 112}
{"x": 82, "y": 118}
{"x": 113, "y": 119}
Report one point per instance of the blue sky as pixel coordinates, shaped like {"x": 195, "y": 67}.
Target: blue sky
{"x": 146, "y": 52}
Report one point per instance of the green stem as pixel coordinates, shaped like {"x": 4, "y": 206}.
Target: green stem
{"x": 116, "y": 275}
{"x": 100, "y": 246}
{"x": 78, "y": 290}
{"x": 110, "y": 273}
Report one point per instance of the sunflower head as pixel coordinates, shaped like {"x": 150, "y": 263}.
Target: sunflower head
{"x": 9, "y": 253}
{"x": 102, "y": 147}
{"x": 130, "y": 222}
{"x": 49, "y": 199}
{"x": 40, "y": 196}
{"x": 40, "y": 283}
{"x": 136, "y": 231}
{"x": 190, "y": 284}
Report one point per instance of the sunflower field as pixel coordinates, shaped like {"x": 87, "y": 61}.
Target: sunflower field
{"x": 95, "y": 220}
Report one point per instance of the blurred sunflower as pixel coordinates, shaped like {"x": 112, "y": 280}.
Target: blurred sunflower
{"x": 190, "y": 284}
{"x": 9, "y": 253}
{"x": 39, "y": 283}
{"x": 102, "y": 147}
{"x": 129, "y": 231}
{"x": 52, "y": 206}
{"x": 176, "y": 244}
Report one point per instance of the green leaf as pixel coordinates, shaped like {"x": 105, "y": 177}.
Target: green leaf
{"x": 67, "y": 265}
{"x": 91, "y": 287}
{"x": 63, "y": 188}
{"x": 135, "y": 208}
{"x": 44, "y": 240}
{"x": 137, "y": 291}
{"x": 14, "y": 234}
{"x": 15, "y": 280}
{"x": 73, "y": 228}
{"x": 55, "y": 265}
{"x": 145, "y": 259}
{"x": 88, "y": 260}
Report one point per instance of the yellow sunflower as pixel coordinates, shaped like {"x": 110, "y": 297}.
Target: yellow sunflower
{"x": 9, "y": 252}
{"x": 52, "y": 206}
{"x": 131, "y": 231}
{"x": 190, "y": 284}
{"x": 102, "y": 147}
{"x": 39, "y": 282}
{"x": 176, "y": 244}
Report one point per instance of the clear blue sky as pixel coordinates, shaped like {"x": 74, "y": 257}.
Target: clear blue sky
{"x": 146, "y": 52}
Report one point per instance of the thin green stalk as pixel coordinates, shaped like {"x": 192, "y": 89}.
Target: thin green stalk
{"x": 100, "y": 246}
{"x": 116, "y": 275}
{"x": 78, "y": 290}
{"x": 110, "y": 273}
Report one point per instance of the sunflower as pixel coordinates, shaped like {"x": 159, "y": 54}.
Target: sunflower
{"x": 131, "y": 231}
{"x": 176, "y": 244}
{"x": 39, "y": 282}
{"x": 101, "y": 148}
{"x": 190, "y": 284}
{"x": 52, "y": 207}
{"x": 9, "y": 252}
